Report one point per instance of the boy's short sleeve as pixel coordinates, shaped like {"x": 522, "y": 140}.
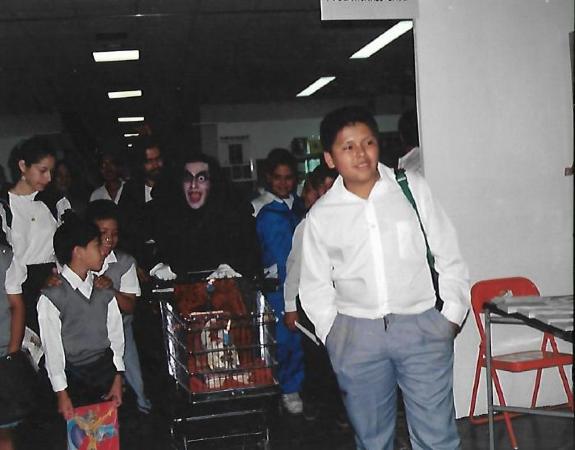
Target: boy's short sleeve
{"x": 129, "y": 283}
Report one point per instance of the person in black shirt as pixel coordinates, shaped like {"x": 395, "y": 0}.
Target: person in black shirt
{"x": 198, "y": 224}
{"x": 133, "y": 205}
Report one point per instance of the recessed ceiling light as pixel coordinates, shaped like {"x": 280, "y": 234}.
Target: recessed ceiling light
{"x": 130, "y": 119}
{"x": 315, "y": 86}
{"x": 130, "y": 145}
{"x": 383, "y": 39}
{"x": 131, "y": 134}
{"x": 117, "y": 55}
{"x": 124, "y": 94}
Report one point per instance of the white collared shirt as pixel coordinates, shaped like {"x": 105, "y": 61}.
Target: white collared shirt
{"x": 267, "y": 197}
{"x": 102, "y": 193}
{"x": 366, "y": 258}
{"x": 411, "y": 160}
{"x": 293, "y": 269}
{"x": 129, "y": 283}
{"x": 147, "y": 193}
{"x": 30, "y": 236}
{"x": 51, "y": 326}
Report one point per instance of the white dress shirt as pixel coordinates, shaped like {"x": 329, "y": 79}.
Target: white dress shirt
{"x": 293, "y": 269}
{"x": 366, "y": 258}
{"x": 129, "y": 283}
{"x": 51, "y": 326}
{"x": 101, "y": 193}
{"x": 411, "y": 160}
{"x": 147, "y": 193}
{"x": 30, "y": 236}
{"x": 267, "y": 197}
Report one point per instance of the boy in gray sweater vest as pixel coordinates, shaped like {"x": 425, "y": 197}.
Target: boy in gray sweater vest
{"x": 81, "y": 325}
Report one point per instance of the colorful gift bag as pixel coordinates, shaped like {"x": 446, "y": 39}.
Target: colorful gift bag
{"x": 94, "y": 427}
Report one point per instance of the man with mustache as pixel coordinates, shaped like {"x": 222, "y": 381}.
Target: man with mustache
{"x": 133, "y": 205}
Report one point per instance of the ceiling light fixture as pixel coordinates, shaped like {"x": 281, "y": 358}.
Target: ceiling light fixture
{"x": 130, "y": 145}
{"x": 131, "y": 134}
{"x": 117, "y": 55}
{"x": 130, "y": 119}
{"x": 315, "y": 86}
{"x": 383, "y": 39}
{"x": 124, "y": 94}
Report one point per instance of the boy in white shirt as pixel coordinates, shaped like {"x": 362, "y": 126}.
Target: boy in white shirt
{"x": 81, "y": 325}
{"x": 367, "y": 287}
{"x": 118, "y": 273}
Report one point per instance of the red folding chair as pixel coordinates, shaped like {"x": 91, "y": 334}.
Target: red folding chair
{"x": 483, "y": 292}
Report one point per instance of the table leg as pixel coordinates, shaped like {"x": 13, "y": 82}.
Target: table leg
{"x": 489, "y": 378}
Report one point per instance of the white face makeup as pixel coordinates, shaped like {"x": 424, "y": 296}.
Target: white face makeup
{"x": 196, "y": 184}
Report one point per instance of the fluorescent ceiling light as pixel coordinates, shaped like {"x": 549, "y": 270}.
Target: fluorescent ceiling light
{"x": 130, "y": 119}
{"x": 315, "y": 86}
{"x": 130, "y": 145}
{"x": 124, "y": 94}
{"x": 382, "y": 40}
{"x": 118, "y": 55}
{"x": 131, "y": 134}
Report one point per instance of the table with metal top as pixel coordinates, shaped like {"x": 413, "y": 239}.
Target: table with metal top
{"x": 548, "y": 314}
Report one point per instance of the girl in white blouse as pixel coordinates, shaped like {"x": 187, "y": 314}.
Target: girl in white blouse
{"x": 31, "y": 212}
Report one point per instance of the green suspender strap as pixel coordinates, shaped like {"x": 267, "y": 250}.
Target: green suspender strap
{"x": 401, "y": 178}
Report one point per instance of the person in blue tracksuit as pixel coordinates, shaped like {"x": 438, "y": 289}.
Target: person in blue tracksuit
{"x": 277, "y": 212}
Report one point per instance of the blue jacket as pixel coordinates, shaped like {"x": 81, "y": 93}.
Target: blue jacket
{"x": 275, "y": 225}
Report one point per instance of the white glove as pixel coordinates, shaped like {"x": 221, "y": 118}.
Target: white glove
{"x": 163, "y": 272}
{"x": 224, "y": 271}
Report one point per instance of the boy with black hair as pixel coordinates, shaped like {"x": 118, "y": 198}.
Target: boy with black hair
{"x": 320, "y": 386}
{"x": 366, "y": 284}
{"x": 119, "y": 274}
{"x": 111, "y": 168}
{"x": 80, "y": 325}
{"x": 278, "y": 211}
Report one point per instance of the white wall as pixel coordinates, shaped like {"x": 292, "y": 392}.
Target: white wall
{"x": 496, "y": 118}
{"x": 276, "y": 124}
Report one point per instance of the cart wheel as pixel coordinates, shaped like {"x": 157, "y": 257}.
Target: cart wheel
{"x": 264, "y": 445}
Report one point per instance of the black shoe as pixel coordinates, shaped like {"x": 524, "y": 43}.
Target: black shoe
{"x": 310, "y": 410}
{"x": 341, "y": 421}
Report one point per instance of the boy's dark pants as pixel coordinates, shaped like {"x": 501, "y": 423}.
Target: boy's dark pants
{"x": 89, "y": 383}
{"x": 320, "y": 383}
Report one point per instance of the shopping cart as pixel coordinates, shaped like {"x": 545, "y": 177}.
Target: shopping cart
{"x": 219, "y": 345}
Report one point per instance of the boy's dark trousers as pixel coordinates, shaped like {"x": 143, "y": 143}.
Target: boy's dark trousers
{"x": 89, "y": 383}
{"x": 320, "y": 384}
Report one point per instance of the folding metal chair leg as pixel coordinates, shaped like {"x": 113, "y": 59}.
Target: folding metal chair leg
{"x": 475, "y": 389}
{"x": 536, "y": 388}
{"x": 568, "y": 391}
